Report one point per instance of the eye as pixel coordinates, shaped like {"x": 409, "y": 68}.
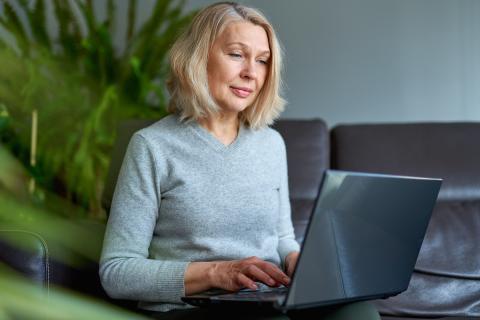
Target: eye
{"x": 235, "y": 55}
{"x": 265, "y": 62}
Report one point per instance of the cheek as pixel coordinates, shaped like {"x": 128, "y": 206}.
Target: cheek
{"x": 262, "y": 78}
{"x": 214, "y": 82}
{"x": 219, "y": 78}
{"x": 230, "y": 72}
{"x": 215, "y": 74}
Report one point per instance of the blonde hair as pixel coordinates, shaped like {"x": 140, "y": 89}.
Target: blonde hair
{"x": 188, "y": 80}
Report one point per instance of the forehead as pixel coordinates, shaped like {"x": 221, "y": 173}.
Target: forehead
{"x": 245, "y": 33}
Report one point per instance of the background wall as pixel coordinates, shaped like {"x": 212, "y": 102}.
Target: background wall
{"x": 370, "y": 60}
{"x": 378, "y": 60}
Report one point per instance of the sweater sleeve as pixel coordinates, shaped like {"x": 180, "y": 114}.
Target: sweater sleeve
{"x": 126, "y": 272}
{"x": 286, "y": 235}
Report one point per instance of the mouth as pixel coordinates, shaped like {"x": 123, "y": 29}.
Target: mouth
{"x": 241, "y": 92}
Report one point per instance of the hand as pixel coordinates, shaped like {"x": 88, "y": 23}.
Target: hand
{"x": 291, "y": 262}
{"x": 238, "y": 274}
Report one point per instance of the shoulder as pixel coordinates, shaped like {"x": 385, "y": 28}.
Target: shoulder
{"x": 164, "y": 133}
{"x": 158, "y": 137}
{"x": 271, "y": 137}
{"x": 267, "y": 142}
{"x": 166, "y": 126}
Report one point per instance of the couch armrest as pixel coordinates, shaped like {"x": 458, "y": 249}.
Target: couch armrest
{"x": 27, "y": 253}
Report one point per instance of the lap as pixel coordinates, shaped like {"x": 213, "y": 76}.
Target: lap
{"x": 357, "y": 311}
{"x": 215, "y": 314}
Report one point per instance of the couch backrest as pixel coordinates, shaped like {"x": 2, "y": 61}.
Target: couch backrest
{"x": 447, "y": 277}
{"x": 307, "y": 144}
{"x": 447, "y": 150}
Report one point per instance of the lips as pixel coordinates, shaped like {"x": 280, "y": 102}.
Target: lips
{"x": 241, "y": 92}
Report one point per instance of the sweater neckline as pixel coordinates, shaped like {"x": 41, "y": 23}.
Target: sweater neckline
{"x": 213, "y": 142}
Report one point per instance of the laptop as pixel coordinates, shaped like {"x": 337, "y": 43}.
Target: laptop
{"x": 361, "y": 243}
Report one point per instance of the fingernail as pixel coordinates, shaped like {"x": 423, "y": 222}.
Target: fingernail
{"x": 286, "y": 279}
{"x": 271, "y": 282}
{"x": 254, "y": 286}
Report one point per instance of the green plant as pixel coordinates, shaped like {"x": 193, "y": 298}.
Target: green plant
{"x": 81, "y": 88}
{"x": 75, "y": 243}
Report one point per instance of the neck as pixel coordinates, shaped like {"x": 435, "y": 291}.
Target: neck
{"x": 222, "y": 127}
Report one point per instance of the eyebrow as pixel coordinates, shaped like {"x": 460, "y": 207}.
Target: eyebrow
{"x": 266, "y": 52}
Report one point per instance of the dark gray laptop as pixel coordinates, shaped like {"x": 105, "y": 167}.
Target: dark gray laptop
{"x": 362, "y": 242}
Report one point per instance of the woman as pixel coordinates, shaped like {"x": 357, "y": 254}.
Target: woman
{"x": 202, "y": 197}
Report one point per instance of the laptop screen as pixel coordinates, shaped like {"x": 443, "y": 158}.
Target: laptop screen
{"x": 363, "y": 238}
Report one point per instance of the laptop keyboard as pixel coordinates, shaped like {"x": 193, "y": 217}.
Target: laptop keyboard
{"x": 262, "y": 294}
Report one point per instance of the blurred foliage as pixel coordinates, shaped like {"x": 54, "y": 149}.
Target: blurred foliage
{"x": 75, "y": 243}
{"x": 81, "y": 86}
{"x": 28, "y": 301}
{"x": 75, "y": 235}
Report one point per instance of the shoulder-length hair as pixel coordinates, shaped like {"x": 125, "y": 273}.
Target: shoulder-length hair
{"x": 187, "y": 84}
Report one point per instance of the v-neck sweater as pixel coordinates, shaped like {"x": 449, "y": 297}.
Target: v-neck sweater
{"x": 183, "y": 196}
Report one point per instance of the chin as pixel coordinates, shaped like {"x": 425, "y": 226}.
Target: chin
{"x": 235, "y": 105}
{"x": 236, "y": 109}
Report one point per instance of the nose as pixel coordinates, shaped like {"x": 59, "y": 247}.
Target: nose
{"x": 249, "y": 70}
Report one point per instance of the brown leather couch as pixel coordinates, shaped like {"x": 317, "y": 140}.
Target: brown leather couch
{"x": 446, "y": 281}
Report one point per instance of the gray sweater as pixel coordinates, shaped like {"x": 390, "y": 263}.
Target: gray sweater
{"x": 183, "y": 196}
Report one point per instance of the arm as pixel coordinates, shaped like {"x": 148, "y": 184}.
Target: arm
{"x": 287, "y": 245}
{"x": 126, "y": 271}
{"x": 291, "y": 262}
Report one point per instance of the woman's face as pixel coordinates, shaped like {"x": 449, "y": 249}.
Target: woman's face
{"x": 238, "y": 66}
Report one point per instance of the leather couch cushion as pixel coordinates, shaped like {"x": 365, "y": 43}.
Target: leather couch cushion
{"x": 445, "y": 150}
{"x": 451, "y": 245}
{"x": 446, "y": 280}
{"x": 434, "y": 296}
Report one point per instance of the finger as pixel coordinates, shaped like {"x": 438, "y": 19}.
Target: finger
{"x": 246, "y": 282}
{"x": 254, "y": 272}
{"x": 275, "y": 272}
